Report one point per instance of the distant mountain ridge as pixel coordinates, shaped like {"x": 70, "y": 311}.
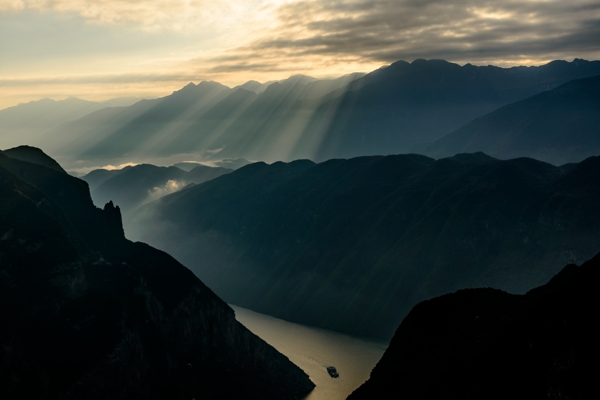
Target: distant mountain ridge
{"x": 392, "y": 110}
{"x": 132, "y": 186}
{"x": 351, "y": 245}
{"x": 29, "y": 121}
{"x": 559, "y": 126}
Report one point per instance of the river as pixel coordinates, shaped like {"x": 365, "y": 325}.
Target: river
{"x": 314, "y": 349}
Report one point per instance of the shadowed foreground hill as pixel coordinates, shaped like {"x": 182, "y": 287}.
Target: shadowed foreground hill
{"x": 488, "y": 344}
{"x": 88, "y": 314}
{"x": 352, "y": 245}
{"x": 558, "y": 126}
{"x": 33, "y": 155}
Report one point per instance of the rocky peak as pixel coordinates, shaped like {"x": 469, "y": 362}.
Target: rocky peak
{"x": 114, "y": 221}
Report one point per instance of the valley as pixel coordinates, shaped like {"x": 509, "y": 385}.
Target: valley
{"x": 430, "y": 229}
{"x": 314, "y": 349}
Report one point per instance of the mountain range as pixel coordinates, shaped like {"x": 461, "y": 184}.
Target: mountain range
{"x": 133, "y": 186}
{"x": 189, "y": 121}
{"x": 340, "y": 225}
{"x": 88, "y": 314}
{"x": 396, "y": 109}
{"x": 488, "y": 344}
{"x": 352, "y": 245}
{"x": 30, "y": 121}
{"x": 558, "y": 126}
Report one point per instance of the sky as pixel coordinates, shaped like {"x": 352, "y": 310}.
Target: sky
{"x": 103, "y": 49}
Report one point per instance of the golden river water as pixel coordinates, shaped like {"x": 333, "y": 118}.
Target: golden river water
{"x": 314, "y": 349}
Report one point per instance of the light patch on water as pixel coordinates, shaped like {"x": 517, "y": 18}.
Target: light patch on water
{"x": 314, "y": 349}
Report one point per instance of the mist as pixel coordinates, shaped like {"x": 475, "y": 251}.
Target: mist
{"x": 170, "y": 187}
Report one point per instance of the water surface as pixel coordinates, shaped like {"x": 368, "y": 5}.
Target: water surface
{"x": 314, "y": 349}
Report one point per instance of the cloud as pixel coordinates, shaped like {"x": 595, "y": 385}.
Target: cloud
{"x": 145, "y": 12}
{"x": 11, "y": 5}
{"x": 99, "y": 78}
{"x": 159, "y": 191}
{"x": 152, "y": 14}
{"x": 504, "y": 32}
{"x": 152, "y": 47}
{"x": 121, "y": 166}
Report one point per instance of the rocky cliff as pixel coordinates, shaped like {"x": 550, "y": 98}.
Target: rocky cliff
{"x": 88, "y": 314}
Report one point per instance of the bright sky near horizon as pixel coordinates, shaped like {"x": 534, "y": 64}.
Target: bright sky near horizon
{"x": 103, "y": 49}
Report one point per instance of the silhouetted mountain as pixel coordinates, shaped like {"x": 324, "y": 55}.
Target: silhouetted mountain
{"x": 395, "y": 108}
{"x": 88, "y": 314}
{"x": 29, "y": 121}
{"x": 98, "y": 176}
{"x": 254, "y": 86}
{"x": 164, "y": 120}
{"x": 488, "y": 344}
{"x": 202, "y": 173}
{"x": 231, "y": 163}
{"x": 33, "y": 155}
{"x": 352, "y": 245}
{"x": 186, "y": 166}
{"x": 557, "y": 126}
{"x": 133, "y": 186}
{"x": 390, "y": 110}
{"x": 73, "y": 138}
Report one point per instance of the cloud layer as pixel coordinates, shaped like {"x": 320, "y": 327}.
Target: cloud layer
{"x": 505, "y": 32}
{"x": 162, "y": 44}
{"x": 146, "y": 12}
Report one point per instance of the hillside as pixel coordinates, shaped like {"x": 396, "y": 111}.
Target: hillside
{"x": 558, "y": 126}
{"x": 488, "y": 344}
{"x": 89, "y": 314}
{"x": 352, "y": 245}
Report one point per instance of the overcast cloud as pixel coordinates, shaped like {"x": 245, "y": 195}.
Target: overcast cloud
{"x": 502, "y": 32}
{"x": 141, "y": 47}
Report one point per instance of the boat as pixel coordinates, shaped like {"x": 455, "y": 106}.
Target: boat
{"x": 333, "y": 372}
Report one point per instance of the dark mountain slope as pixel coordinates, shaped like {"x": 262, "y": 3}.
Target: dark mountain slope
{"x": 558, "y": 126}
{"x": 395, "y": 108}
{"x": 352, "y": 245}
{"x": 89, "y": 314}
{"x": 487, "y": 344}
{"x": 33, "y": 155}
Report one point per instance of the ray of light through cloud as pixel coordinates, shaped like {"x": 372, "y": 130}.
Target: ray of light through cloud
{"x": 109, "y": 48}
